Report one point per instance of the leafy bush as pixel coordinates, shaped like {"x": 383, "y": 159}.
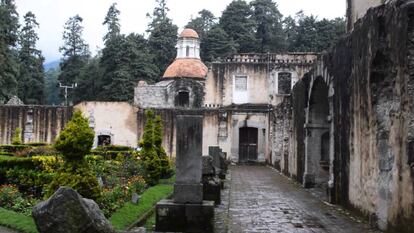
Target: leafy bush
{"x": 12, "y": 199}
{"x": 38, "y": 150}
{"x": 36, "y": 144}
{"x": 79, "y": 176}
{"x": 13, "y": 148}
{"x": 166, "y": 169}
{"x": 76, "y": 139}
{"x": 17, "y": 138}
{"x": 112, "y": 199}
{"x": 136, "y": 184}
{"x": 74, "y": 142}
{"x": 148, "y": 153}
{"x": 7, "y": 162}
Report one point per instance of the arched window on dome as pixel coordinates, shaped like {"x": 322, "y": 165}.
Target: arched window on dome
{"x": 187, "y": 51}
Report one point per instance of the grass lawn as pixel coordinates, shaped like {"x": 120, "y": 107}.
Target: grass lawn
{"x": 17, "y": 221}
{"x": 130, "y": 212}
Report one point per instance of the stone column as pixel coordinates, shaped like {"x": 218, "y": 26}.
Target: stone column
{"x": 188, "y": 187}
{"x": 187, "y": 212}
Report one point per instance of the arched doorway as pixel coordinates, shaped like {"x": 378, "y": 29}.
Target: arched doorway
{"x": 317, "y": 138}
{"x": 248, "y": 140}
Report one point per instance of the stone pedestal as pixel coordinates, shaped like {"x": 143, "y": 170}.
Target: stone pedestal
{"x": 187, "y": 212}
{"x": 176, "y": 217}
{"x": 212, "y": 189}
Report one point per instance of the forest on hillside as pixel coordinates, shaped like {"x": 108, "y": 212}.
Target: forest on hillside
{"x": 244, "y": 27}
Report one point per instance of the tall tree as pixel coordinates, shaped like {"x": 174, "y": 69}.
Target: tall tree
{"x": 89, "y": 82}
{"x": 9, "y": 67}
{"x": 162, "y": 36}
{"x": 202, "y": 23}
{"x": 237, "y": 22}
{"x": 31, "y": 78}
{"x": 125, "y": 60}
{"x": 290, "y": 32}
{"x": 112, "y": 22}
{"x": 269, "y": 29}
{"x": 217, "y": 44}
{"x": 75, "y": 52}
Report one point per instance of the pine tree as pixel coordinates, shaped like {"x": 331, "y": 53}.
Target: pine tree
{"x": 50, "y": 88}
{"x": 269, "y": 30}
{"x": 125, "y": 60}
{"x": 203, "y": 23}
{"x": 75, "y": 52}
{"x": 162, "y": 36}
{"x": 217, "y": 44}
{"x": 9, "y": 66}
{"x": 31, "y": 78}
{"x": 237, "y": 22}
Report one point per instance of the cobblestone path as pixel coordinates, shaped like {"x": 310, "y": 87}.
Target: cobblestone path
{"x": 259, "y": 199}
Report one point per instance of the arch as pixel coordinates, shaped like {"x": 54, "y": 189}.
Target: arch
{"x": 317, "y": 138}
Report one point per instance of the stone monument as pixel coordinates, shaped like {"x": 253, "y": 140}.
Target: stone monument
{"x": 187, "y": 212}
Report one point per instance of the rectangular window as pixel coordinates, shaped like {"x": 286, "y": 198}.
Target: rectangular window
{"x": 241, "y": 83}
{"x": 284, "y": 83}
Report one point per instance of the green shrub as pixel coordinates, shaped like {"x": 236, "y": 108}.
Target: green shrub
{"x": 166, "y": 169}
{"x": 74, "y": 142}
{"x": 17, "y": 138}
{"x": 6, "y": 153}
{"x": 113, "y": 148}
{"x": 7, "y": 162}
{"x": 12, "y": 199}
{"x": 35, "y": 144}
{"x": 37, "y": 150}
{"x": 76, "y": 139}
{"x": 79, "y": 176}
{"x": 148, "y": 153}
{"x": 13, "y": 148}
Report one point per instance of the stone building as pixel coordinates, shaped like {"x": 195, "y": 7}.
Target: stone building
{"x": 236, "y": 97}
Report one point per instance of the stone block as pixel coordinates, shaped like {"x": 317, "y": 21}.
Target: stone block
{"x": 189, "y": 149}
{"x": 212, "y": 189}
{"x": 188, "y": 193}
{"x": 177, "y": 217}
{"x": 208, "y": 168}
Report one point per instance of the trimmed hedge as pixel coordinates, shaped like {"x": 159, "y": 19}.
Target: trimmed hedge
{"x": 7, "y": 162}
{"x": 13, "y": 148}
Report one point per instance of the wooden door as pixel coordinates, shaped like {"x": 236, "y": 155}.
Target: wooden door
{"x": 248, "y": 144}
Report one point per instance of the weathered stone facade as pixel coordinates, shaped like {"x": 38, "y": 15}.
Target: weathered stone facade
{"x": 38, "y": 123}
{"x": 236, "y": 98}
{"x": 352, "y": 120}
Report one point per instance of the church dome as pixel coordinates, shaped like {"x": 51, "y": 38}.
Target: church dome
{"x": 186, "y": 68}
{"x": 187, "y": 63}
{"x": 189, "y": 33}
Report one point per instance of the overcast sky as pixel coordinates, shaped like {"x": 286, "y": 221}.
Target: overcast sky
{"x": 52, "y": 14}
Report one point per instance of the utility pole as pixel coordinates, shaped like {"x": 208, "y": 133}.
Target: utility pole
{"x": 66, "y": 90}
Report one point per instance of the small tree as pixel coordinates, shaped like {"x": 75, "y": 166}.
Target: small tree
{"x": 166, "y": 168}
{"x": 17, "y": 138}
{"x": 148, "y": 153}
{"x": 74, "y": 142}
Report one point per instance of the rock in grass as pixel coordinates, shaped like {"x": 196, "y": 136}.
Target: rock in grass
{"x": 67, "y": 212}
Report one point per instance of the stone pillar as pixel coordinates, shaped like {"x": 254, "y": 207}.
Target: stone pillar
{"x": 187, "y": 187}
{"x": 187, "y": 212}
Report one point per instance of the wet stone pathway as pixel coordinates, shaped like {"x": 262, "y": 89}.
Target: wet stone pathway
{"x": 259, "y": 199}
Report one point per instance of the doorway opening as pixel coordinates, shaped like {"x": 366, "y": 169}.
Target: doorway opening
{"x": 248, "y": 138}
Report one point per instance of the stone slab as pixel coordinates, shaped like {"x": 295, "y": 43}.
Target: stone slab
{"x": 212, "y": 190}
{"x": 176, "y": 217}
{"x": 188, "y": 193}
{"x": 189, "y": 149}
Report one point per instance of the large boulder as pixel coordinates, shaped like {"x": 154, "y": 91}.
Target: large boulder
{"x": 67, "y": 212}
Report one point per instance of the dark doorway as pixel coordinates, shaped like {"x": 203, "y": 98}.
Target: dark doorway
{"x": 104, "y": 140}
{"x": 325, "y": 151}
{"x": 183, "y": 99}
{"x": 248, "y": 144}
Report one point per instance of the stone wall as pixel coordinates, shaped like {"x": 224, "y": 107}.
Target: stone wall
{"x": 356, "y": 9}
{"x": 366, "y": 81}
{"x": 38, "y": 123}
{"x": 118, "y": 120}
